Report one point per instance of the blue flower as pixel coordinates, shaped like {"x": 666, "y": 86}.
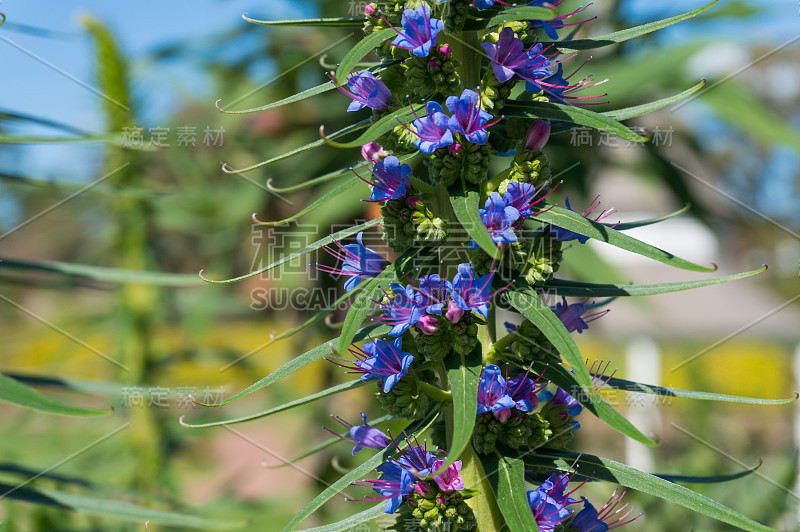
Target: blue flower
{"x": 435, "y": 291}
{"x": 510, "y": 60}
{"x": 565, "y": 235}
{"x": 484, "y": 4}
{"x": 392, "y": 179}
{"x": 570, "y": 406}
{"x": 493, "y": 391}
{"x": 549, "y": 503}
{"x": 499, "y": 220}
{"x": 524, "y": 392}
{"x": 520, "y": 196}
{"x": 550, "y": 26}
{"x": 433, "y": 130}
{"x": 571, "y": 315}
{"x": 590, "y": 520}
{"x": 560, "y": 90}
{"x": 358, "y": 261}
{"x": 378, "y": 360}
{"x": 467, "y": 117}
{"x": 403, "y": 309}
{"x": 472, "y": 294}
{"x": 418, "y": 460}
{"x": 366, "y": 91}
{"x": 420, "y": 31}
{"x": 394, "y": 483}
{"x": 363, "y": 435}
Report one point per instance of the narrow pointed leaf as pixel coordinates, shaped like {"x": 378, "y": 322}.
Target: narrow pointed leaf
{"x": 711, "y": 479}
{"x": 324, "y": 199}
{"x": 344, "y": 233}
{"x": 642, "y": 223}
{"x": 298, "y": 363}
{"x": 357, "y": 53}
{"x": 98, "y": 273}
{"x": 338, "y": 22}
{"x": 15, "y": 393}
{"x": 627, "y": 34}
{"x": 512, "y": 14}
{"x": 381, "y": 127}
{"x": 302, "y": 95}
{"x": 611, "y": 471}
{"x": 572, "y": 114}
{"x": 580, "y": 289}
{"x": 572, "y": 221}
{"x": 333, "y": 390}
{"x": 111, "y": 509}
{"x": 639, "y": 110}
{"x": 638, "y": 387}
{"x": 373, "y": 290}
{"x": 357, "y": 473}
{"x": 465, "y": 207}
{"x": 463, "y": 373}
{"x": 302, "y": 149}
{"x": 506, "y": 474}
{"x": 351, "y": 522}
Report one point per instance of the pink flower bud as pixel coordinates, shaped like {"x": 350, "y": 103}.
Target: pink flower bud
{"x": 370, "y": 10}
{"x": 373, "y": 152}
{"x": 537, "y": 135}
{"x": 428, "y": 325}
{"x": 503, "y": 415}
{"x": 455, "y": 149}
{"x": 454, "y": 312}
{"x": 445, "y": 51}
{"x": 422, "y": 488}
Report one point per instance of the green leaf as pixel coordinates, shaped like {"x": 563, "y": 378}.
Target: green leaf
{"x": 298, "y": 363}
{"x": 308, "y": 93}
{"x": 580, "y": 289}
{"x": 465, "y": 207}
{"x": 324, "y": 199}
{"x": 302, "y": 149}
{"x": 650, "y": 221}
{"x": 98, "y": 273}
{"x": 382, "y": 126}
{"x": 569, "y": 113}
{"x": 331, "y": 441}
{"x": 639, "y": 110}
{"x": 512, "y": 14}
{"x": 627, "y": 34}
{"x": 638, "y": 387}
{"x": 463, "y": 373}
{"x": 532, "y": 307}
{"x": 15, "y": 393}
{"x": 338, "y": 22}
{"x": 355, "y": 474}
{"x": 711, "y": 479}
{"x": 357, "y": 53}
{"x": 611, "y": 471}
{"x": 572, "y": 221}
{"x": 373, "y": 290}
{"x": 506, "y": 474}
{"x": 333, "y": 390}
{"x": 344, "y": 233}
{"x": 111, "y": 509}
{"x": 350, "y": 522}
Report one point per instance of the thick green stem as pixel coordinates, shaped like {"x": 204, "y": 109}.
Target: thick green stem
{"x": 435, "y": 392}
{"x": 484, "y": 503}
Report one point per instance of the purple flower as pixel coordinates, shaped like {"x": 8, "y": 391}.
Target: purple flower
{"x": 394, "y": 483}
{"x": 357, "y": 261}
{"x": 571, "y": 406}
{"x": 418, "y": 460}
{"x": 392, "y": 180}
{"x": 590, "y": 520}
{"x": 433, "y": 129}
{"x": 366, "y": 91}
{"x": 537, "y": 136}
{"x": 467, "y": 117}
{"x": 373, "y": 152}
{"x": 549, "y": 503}
{"x": 379, "y": 360}
{"x": 493, "y": 393}
{"x": 450, "y": 479}
{"x": 510, "y": 59}
{"x": 520, "y": 196}
{"x": 471, "y": 294}
{"x": 565, "y": 235}
{"x": 435, "y": 291}
{"x": 420, "y": 31}
{"x": 404, "y": 308}
{"x": 363, "y": 435}
{"x": 571, "y": 316}
{"x": 524, "y": 392}
{"x": 560, "y": 90}
{"x": 499, "y": 220}
{"x": 550, "y": 26}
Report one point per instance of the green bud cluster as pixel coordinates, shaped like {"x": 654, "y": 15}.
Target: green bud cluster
{"x": 521, "y": 429}
{"x": 455, "y": 15}
{"x": 531, "y": 345}
{"x": 560, "y": 422}
{"x": 437, "y": 510}
{"x": 426, "y": 76}
{"x": 437, "y": 345}
{"x": 494, "y": 93}
{"x": 393, "y": 12}
{"x": 469, "y": 160}
{"x": 405, "y": 400}
{"x": 464, "y": 335}
{"x": 406, "y": 222}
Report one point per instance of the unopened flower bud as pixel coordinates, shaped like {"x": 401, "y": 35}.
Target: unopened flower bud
{"x": 537, "y": 135}
{"x": 503, "y": 415}
{"x": 445, "y": 51}
{"x": 370, "y": 10}
{"x": 428, "y": 325}
{"x": 454, "y": 312}
{"x": 373, "y": 152}
{"x": 455, "y": 149}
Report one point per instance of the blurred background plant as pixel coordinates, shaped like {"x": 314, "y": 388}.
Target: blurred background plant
{"x": 79, "y": 218}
